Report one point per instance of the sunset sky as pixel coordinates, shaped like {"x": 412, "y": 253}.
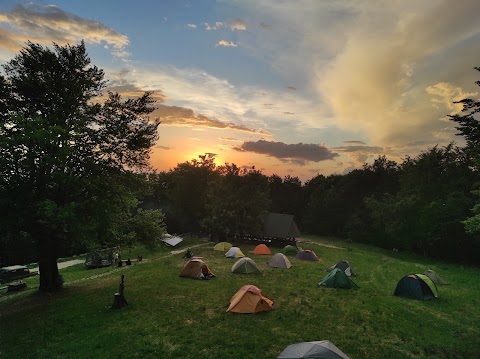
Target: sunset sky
{"x": 297, "y": 88}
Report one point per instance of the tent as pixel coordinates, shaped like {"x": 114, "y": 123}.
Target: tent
{"x": 249, "y": 299}
{"x": 434, "y": 277}
{"x": 324, "y": 349}
{"x": 246, "y": 266}
{"x": 262, "y": 249}
{"x": 222, "y": 246}
{"x": 307, "y": 255}
{"x": 337, "y": 279}
{"x": 279, "y": 260}
{"x": 416, "y": 286}
{"x": 234, "y": 252}
{"x": 278, "y": 225}
{"x": 288, "y": 249}
{"x": 344, "y": 266}
{"x": 196, "y": 268}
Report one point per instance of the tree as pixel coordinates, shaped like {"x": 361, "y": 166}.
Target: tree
{"x": 237, "y": 203}
{"x": 65, "y": 157}
{"x": 468, "y": 125}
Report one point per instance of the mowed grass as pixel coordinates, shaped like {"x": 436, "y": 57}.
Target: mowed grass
{"x": 173, "y": 317}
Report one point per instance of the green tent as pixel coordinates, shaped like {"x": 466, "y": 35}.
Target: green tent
{"x": 337, "y": 279}
{"x": 416, "y": 286}
{"x": 344, "y": 266}
{"x": 289, "y": 250}
{"x": 435, "y": 278}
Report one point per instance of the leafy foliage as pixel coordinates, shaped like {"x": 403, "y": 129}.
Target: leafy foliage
{"x": 65, "y": 158}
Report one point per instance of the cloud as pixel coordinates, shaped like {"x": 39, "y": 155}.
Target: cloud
{"x": 181, "y": 116}
{"x": 237, "y": 24}
{"x": 45, "y": 24}
{"x": 293, "y": 88}
{"x": 360, "y": 153}
{"x": 209, "y": 27}
{"x": 299, "y": 153}
{"x": 445, "y": 94}
{"x": 376, "y": 82}
{"x": 163, "y": 147}
{"x": 355, "y": 142}
{"x": 288, "y": 113}
{"x": 226, "y": 43}
{"x": 229, "y": 139}
{"x": 193, "y": 26}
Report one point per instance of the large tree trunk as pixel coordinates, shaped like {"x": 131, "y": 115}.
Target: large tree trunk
{"x": 50, "y": 280}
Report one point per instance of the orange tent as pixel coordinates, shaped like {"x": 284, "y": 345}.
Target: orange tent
{"x": 262, "y": 249}
{"x": 249, "y": 299}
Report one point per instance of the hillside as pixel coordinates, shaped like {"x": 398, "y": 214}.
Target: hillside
{"x": 173, "y": 317}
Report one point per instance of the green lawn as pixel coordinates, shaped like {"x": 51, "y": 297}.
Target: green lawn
{"x": 173, "y": 317}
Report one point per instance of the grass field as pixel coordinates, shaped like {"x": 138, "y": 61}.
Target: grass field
{"x": 173, "y": 317}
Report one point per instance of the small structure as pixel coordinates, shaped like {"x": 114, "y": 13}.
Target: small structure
{"x": 280, "y": 228}
{"x": 416, "y": 286}
{"x": 234, "y": 252}
{"x": 245, "y": 266}
{"x": 262, "y": 249}
{"x": 290, "y": 250}
{"x": 434, "y": 277}
{"x": 172, "y": 241}
{"x": 249, "y": 299}
{"x": 337, "y": 279}
{"x": 196, "y": 269}
{"x": 101, "y": 258}
{"x": 222, "y": 246}
{"x": 119, "y": 300}
{"x": 307, "y": 255}
{"x": 345, "y": 267}
{"x": 312, "y": 350}
{"x": 279, "y": 260}
{"x": 16, "y": 272}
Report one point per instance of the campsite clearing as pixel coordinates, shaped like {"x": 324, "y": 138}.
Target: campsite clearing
{"x": 173, "y": 317}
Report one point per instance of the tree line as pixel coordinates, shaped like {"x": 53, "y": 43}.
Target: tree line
{"x": 74, "y": 175}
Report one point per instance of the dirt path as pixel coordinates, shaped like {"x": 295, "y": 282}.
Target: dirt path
{"x": 65, "y": 264}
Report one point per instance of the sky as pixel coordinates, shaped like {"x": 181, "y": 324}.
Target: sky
{"x": 297, "y": 88}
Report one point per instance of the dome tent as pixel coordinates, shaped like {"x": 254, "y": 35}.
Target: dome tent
{"x": 324, "y": 349}
{"x": 345, "y": 267}
{"x": 249, "y": 299}
{"x": 337, "y": 279}
{"x": 262, "y": 249}
{"x": 234, "y": 252}
{"x": 245, "y": 265}
{"x": 289, "y": 250}
{"x": 222, "y": 246}
{"x": 416, "y": 286}
{"x": 307, "y": 255}
{"x": 197, "y": 269}
{"x": 279, "y": 260}
{"x": 434, "y": 277}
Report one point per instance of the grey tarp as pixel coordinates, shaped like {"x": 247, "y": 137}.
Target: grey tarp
{"x": 324, "y": 349}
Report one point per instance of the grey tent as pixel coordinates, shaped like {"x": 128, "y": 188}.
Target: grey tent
{"x": 245, "y": 265}
{"x": 278, "y": 225}
{"x": 434, "y": 277}
{"x": 279, "y": 260}
{"x": 324, "y": 349}
{"x": 345, "y": 267}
